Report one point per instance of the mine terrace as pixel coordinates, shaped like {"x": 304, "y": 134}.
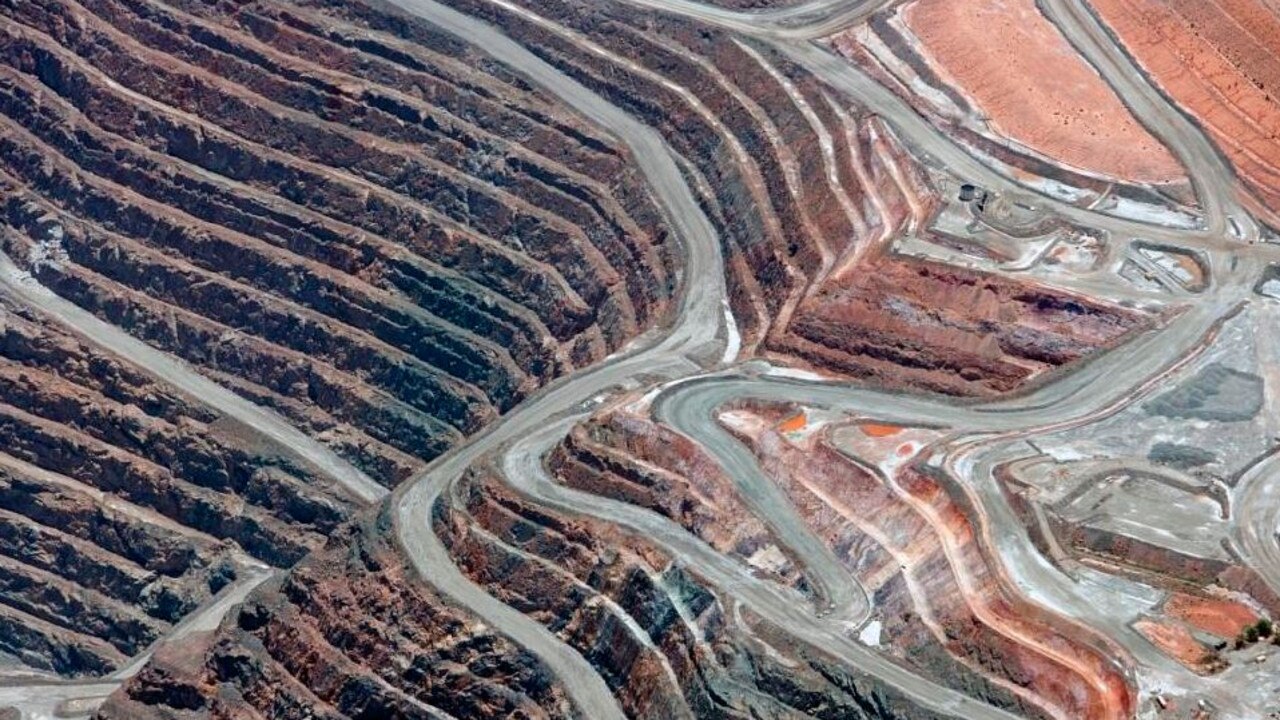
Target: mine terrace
{"x": 647, "y": 359}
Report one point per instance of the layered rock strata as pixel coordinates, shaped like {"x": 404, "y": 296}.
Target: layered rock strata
{"x": 350, "y": 633}
{"x": 358, "y": 227}
{"x": 351, "y": 220}
{"x": 125, "y": 503}
{"x": 803, "y": 186}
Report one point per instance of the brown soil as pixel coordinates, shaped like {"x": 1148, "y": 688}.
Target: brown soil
{"x": 927, "y": 326}
{"x": 351, "y": 632}
{"x": 1174, "y": 640}
{"x": 1225, "y": 618}
{"x": 1218, "y": 60}
{"x": 917, "y": 530}
{"x": 997, "y": 53}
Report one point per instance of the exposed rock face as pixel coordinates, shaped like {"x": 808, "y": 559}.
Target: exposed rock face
{"x": 752, "y": 127}
{"x": 911, "y": 540}
{"x": 352, "y": 220}
{"x": 667, "y": 646}
{"x": 627, "y": 456}
{"x": 946, "y": 329}
{"x": 1179, "y": 456}
{"x": 349, "y": 633}
{"x": 801, "y": 184}
{"x": 362, "y": 223}
{"x": 350, "y": 225}
{"x": 931, "y": 64}
{"x": 124, "y": 501}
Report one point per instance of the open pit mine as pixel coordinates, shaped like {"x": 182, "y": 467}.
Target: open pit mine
{"x": 643, "y": 359}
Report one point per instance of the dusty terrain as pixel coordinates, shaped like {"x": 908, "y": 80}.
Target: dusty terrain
{"x": 1075, "y": 139}
{"x": 1218, "y": 61}
{"x": 349, "y": 633}
{"x": 946, "y": 329}
{"x": 615, "y": 359}
{"x": 385, "y": 287}
{"x": 996, "y": 54}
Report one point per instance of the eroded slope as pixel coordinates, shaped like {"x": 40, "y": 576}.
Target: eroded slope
{"x": 351, "y": 221}
{"x": 1218, "y": 61}
{"x": 321, "y": 236}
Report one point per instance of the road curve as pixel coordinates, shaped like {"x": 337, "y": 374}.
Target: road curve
{"x": 74, "y": 699}
{"x": 691, "y": 413}
{"x": 687, "y": 406}
{"x": 923, "y": 136}
{"x": 699, "y": 320}
{"x": 804, "y": 21}
{"x": 523, "y": 468}
{"x": 1213, "y": 177}
{"x": 546, "y": 417}
{"x": 525, "y": 435}
{"x": 1256, "y": 506}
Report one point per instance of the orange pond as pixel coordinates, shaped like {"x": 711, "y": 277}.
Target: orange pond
{"x": 793, "y": 423}
{"x": 878, "y": 430}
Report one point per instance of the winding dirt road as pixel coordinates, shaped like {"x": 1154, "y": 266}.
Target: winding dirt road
{"x": 692, "y": 346}
{"x": 1096, "y": 390}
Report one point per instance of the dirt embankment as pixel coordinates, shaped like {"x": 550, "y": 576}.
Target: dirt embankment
{"x": 922, "y": 325}
{"x": 124, "y": 502}
{"x": 349, "y": 633}
{"x": 433, "y": 272}
{"x": 1218, "y": 60}
{"x": 357, "y": 222}
{"x": 1035, "y": 88}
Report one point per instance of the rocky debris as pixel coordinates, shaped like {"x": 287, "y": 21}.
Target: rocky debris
{"x": 1179, "y": 456}
{"x": 1197, "y": 583}
{"x": 887, "y": 49}
{"x": 1217, "y": 393}
{"x": 123, "y": 502}
{"x": 922, "y": 325}
{"x": 350, "y": 632}
{"x": 1162, "y": 566}
{"x": 753, "y": 128}
{"x": 770, "y": 123}
{"x": 357, "y": 220}
{"x": 1218, "y": 616}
